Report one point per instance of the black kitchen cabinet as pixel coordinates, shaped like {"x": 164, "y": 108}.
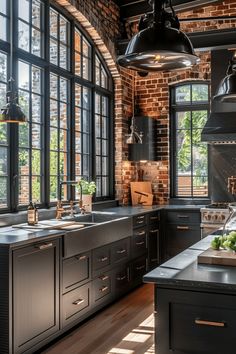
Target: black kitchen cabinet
{"x": 35, "y": 294}
{"x": 153, "y": 240}
{"x": 181, "y": 230}
{"x": 194, "y": 322}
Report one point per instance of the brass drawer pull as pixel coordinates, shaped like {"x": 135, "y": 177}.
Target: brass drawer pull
{"x": 103, "y": 259}
{"x": 140, "y": 243}
{"x": 121, "y": 278}
{"x": 121, "y": 251}
{"x": 82, "y": 258}
{"x": 183, "y": 216}
{"x": 104, "y": 288}
{"x": 210, "y": 323}
{"x": 104, "y": 277}
{"x": 45, "y": 246}
{"x": 182, "y": 227}
{"x": 140, "y": 217}
{"x": 140, "y": 267}
{"x": 140, "y": 233}
{"x": 153, "y": 217}
{"x": 78, "y": 302}
{"x": 153, "y": 231}
{"x": 140, "y": 222}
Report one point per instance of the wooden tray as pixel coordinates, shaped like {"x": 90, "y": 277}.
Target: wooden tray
{"x": 222, "y": 257}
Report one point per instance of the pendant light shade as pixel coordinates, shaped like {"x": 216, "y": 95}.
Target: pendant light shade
{"x": 227, "y": 89}
{"x": 12, "y": 112}
{"x": 161, "y": 46}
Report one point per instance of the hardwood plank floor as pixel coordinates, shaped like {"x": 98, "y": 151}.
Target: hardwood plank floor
{"x": 125, "y": 327}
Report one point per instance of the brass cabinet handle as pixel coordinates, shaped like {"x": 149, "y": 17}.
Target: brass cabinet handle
{"x": 182, "y": 227}
{"x": 153, "y": 231}
{"x": 140, "y": 267}
{"x": 78, "y": 302}
{"x": 154, "y": 259}
{"x": 104, "y": 277}
{"x": 81, "y": 258}
{"x": 121, "y": 251}
{"x": 140, "y": 243}
{"x": 121, "y": 278}
{"x": 140, "y": 217}
{"x": 183, "y": 216}
{"x": 45, "y": 246}
{"x": 103, "y": 259}
{"x": 153, "y": 217}
{"x": 140, "y": 222}
{"x": 140, "y": 233}
{"x": 104, "y": 288}
{"x": 210, "y": 323}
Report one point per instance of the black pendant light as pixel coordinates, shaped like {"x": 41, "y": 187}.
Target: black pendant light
{"x": 134, "y": 137}
{"x": 227, "y": 89}
{"x": 161, "y": 46}
{"x": 12, "y": 112}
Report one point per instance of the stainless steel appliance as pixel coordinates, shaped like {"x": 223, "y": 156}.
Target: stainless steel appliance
{"x": 213, "y": 217}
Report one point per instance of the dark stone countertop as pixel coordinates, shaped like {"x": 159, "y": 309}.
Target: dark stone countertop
{"x": 183, "y": 270}
{"x": 16, "y": 237}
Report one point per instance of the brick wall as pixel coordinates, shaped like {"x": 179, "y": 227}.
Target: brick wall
{"x": 100, "y": 19}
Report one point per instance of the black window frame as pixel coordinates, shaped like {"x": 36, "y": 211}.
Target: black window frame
{"x": 175, "y": 108}
{"x": 44, "y": 63}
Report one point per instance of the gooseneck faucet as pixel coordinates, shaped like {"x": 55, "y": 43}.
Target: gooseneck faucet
{"x": 59, "y": 208}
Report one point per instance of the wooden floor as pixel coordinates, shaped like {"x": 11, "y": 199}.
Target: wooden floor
{"x": 125, "y": 327}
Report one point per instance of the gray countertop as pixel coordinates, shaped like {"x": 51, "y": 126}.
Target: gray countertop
{"x": 183, "y": 270}
{"x": 14, "y": 237}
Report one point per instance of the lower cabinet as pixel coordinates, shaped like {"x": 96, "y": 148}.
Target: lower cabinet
{"x": 194, "y": 322}
{"x": 35, "y": 294}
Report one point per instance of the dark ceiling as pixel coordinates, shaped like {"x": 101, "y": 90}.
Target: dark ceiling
{"x": 131, "y": 10}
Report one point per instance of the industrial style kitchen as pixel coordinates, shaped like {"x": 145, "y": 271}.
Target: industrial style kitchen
{"x": 117, "y": 176}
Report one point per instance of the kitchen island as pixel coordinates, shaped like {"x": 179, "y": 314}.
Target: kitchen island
{"x": 195, "y": 304}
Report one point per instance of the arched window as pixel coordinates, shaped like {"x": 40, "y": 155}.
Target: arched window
{"x": 66, "y": 91}
{"x": 189, "y": 156}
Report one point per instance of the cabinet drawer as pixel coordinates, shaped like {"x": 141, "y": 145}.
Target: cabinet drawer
{"x": 139, "y": 242}
{"x": 76, "y": 270}
{"x": 120, "y": 250}
{"x": 76, "y": 303}
{"x": 139, "y": 220}
{"x": 153, "y": 218}
{"x": 138, "y": 269}
{"x": 197, "y": 320}
{"x": 182, "y": 236}
{"x": 153, "y": 244}
{"x": 120, "y": 280}
{"x": 101, "y": 257}
{"x": 102, "y": 287}
{"x": 183, "y": 217}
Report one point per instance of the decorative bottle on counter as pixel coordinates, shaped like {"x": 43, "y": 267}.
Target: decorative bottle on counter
{"x": 31, "y": 217}
{"x": 36, "y": 213}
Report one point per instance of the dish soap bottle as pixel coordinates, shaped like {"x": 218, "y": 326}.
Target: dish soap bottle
{"x": 36, "y": 213}
{"x": 31, "y": 214}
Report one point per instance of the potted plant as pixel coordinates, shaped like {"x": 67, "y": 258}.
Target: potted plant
{"x": 88, "y": 189}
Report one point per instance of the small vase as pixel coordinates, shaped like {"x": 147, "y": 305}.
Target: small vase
{"x": 87, "y": 202}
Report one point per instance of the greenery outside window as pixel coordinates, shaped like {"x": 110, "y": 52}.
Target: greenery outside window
{"x": 189, "y": 156}
{"x": 60, "y": 77}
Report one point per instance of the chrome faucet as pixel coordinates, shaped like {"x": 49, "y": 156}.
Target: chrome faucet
{"x": 59, "y": 208}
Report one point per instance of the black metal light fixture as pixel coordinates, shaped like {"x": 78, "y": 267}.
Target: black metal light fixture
{"x": 12, "y": 112}
{"x": 227, "y": 89}
{"x": 159, "y": 45}
{"x": 134, "y": 137}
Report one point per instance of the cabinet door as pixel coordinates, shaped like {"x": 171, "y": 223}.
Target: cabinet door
{"x": 153, "y": 247}
{"x": 35, "y": 294}
{"x": 139, "y": 242}
{"x": 179, "y": 237}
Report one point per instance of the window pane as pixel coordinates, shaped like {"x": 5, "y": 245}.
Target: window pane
{"x": 3, "y": 67}
{"x": 3, "y": 28}
{"x": 3, "y": 161}
{"x": 24, "y": 135}
{"x": 53, "y": 139}
{"x": 200, "y": 186}
{"x": 182, "y": 94}
{"x": 53, "y": 113}
{"x": 53, "y": 163}
{"x": 53, "y": 24}
{"x": 36, "y": 13}
{"x": 77, "y": 41}
{"x": 63, "y": 30}
{"x": 36, "y": 134}
{"x": 63, "y": 57}
{"x": 23, "y": 36}
{"x": 3, "y": 134}
{"x": 200, "y": 93}
{"x": 23, "y": 10}
{"x": 36, "y": 188}
{"x": 53, "y": 86}
{"x": 24, "y": 190}
{"x": 36, "y": 108}
{"x": 200, "y": 160}
{"x": 36, "y": 162}
{"x": 86, "y": 68}
{"x": 199, "y": 119}
{"x": 36, "y": 42}
{"x": 3, "y": 192}
{"x": 184, "y": 186}
{"x": 24, "y": 102}
{"x": 183, "y": 151}
{"x": 23, "y": 76}
{"x": 77, "y": 64}
{"x": 53, "y": 52}
{"x": 3, "y": 6}
{"x": 53, "y": 188}
{"x": 63, "y": 163}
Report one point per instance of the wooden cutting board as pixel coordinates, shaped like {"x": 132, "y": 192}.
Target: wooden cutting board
{"x": 140, "y": 187}
{"x": 222, "y": 257}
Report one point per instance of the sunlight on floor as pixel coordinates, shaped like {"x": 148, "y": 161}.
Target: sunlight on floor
{"x": 140, "y": 334}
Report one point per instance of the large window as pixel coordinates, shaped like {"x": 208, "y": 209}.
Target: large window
{"x": 65, "y": 90}
{"x": 189, "y": 156}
